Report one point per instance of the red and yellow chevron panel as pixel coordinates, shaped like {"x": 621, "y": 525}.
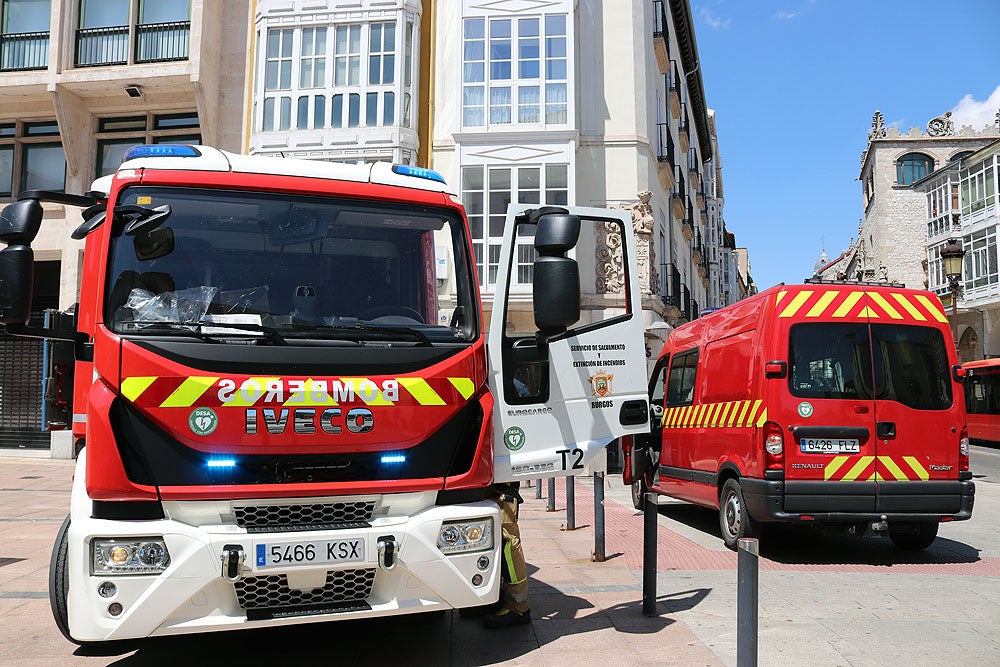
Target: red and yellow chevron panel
{"x": 874, "y": 469}
{"x": 854, "y": 304}
{"x": 731, "y": 414}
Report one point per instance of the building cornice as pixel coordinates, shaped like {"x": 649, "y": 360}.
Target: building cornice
{"x": 680, "y": 13}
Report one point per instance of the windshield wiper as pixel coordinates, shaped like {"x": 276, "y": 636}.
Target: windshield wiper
{"x": 197, "y": 329}
{"x": 358, "y": 330}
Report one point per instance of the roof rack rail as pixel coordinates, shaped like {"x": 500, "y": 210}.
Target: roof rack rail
{"x": 821, "y": 281}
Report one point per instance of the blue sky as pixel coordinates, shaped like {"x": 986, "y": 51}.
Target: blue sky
{"x": 794, "y": 85}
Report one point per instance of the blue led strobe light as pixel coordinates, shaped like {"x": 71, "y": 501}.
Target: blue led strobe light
{"x": 161, "y": 150}
{"x": 418, "y": 172}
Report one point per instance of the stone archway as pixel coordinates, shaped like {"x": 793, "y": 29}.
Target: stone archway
{"x": 968, "y": 346}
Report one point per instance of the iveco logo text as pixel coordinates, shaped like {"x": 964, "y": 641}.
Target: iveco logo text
{"x": 304, "y": 421}
{"x": 274, "y": 390}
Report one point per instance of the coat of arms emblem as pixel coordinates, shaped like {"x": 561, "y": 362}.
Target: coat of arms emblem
{"x": 600, "y": 384}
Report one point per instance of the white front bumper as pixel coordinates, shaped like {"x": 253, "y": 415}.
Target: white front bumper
{"x": 193, "y": 596}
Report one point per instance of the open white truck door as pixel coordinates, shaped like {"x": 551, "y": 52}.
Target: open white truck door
{"x": 567, "y": 381}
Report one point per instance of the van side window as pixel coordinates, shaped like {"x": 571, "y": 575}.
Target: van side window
{"x": 680, "y": 380}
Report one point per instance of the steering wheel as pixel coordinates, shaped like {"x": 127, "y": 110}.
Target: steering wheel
{"x": 393, "y": 311}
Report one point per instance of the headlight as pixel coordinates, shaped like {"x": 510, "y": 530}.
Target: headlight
{"x": 146, "y": 555}
{"x": 461, "y": 536}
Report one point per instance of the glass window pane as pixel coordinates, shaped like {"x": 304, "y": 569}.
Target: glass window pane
{"x": 475, "y": 28}
{"x": 175, "y": 120}
{"x": 44, "y": 167}
{"x": 26, "y": 16}
{"x": 161, "y": 11}
{"x": 555, "y": 25}
{"x": 389, "y": 110}
{"x": 354, "y": 110}
{"x": 6, "y": 170}
{"x": 103, "y": 13}
{"x": 302, "y": 113}
{"x": 268, "y": 114}
{"x": 472, "y": 178}
{"x": 337, "y": 111}
{"x": 389, "y": 37}
{"x": 354, "y": 70}
{"x": 286, "y": 113}
{"x": 110, "y": 154}
{"x": 319, "y": 111}
{"x": 388, "y": 69}
{"x": 285, "y": 81}
{"x": 371, "y": 110}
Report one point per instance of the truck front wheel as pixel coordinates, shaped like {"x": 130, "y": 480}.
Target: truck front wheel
{"x": 734, "y": 520}
{"x": 913, "y": 537}
{"x": 59, "y": 581}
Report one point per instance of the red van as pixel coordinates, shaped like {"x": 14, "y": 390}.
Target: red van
{"x": 823, "y": 403}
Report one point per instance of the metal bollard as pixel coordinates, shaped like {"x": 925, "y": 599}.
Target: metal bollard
{"x": 748, "y": 549}
{"x": 599, "y": 555}
{"x": 570, "y": 502}
{"x": 538, "y": 488}
{"x": 649, "y": 510}
{"x": 550, "y": 505}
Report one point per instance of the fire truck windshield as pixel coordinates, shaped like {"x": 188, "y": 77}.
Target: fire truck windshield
{"x": 280, "y": 268}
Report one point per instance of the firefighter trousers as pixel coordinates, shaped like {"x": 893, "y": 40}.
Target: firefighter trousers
{"x": 514, "y": 575}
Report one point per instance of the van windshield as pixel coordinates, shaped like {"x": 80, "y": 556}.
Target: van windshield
{"x": 279, "y": 267}
{"x": 834, "y": 360}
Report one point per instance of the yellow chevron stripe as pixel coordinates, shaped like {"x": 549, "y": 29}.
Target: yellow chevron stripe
{"x": 909, "y": 307}
{"x": 675, "y": 418}
{"x": 721, "y": 420}
{"x": 421, "y": 391}
{"x": 929, "y": 305}
{"x": 917, "y": 468}
{"x": 823, "y": 302}
{"x": 885, "y": 305}
{"x": 858, "y": 468}
{"x": 849, "y": 302}
{"x": 464, "y": 386}
{"x": 743, "y": 413}
{"x": 190, "y": 391}
{"x": 238, "y": 401}
{"x": 893, "y": 468}
{"x": 868, "y": 313}
{"x": 133, "y": 387}
{"x": 762, "y": 418}
{"x": 753, "y": 412}
{"x": 780, "y": 295}
{"x": 712, "y": 414}
{"x": 833, "y": 466}
{"x": 735, "y": 411}
{"x": 796, "y": 303}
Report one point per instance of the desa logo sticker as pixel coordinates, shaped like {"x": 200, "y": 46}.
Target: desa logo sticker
{"x": 203, "y": 421}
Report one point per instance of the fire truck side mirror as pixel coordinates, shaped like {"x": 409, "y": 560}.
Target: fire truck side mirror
{"x": 19, "y": 223}
{"x": 556, "y": 280}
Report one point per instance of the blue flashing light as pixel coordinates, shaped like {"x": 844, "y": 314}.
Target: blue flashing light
{"x": 418, "y": 172}
{"x": 394, "y": 458}
{"x": 221, "y": 463}
{"x": 161, "y": 150}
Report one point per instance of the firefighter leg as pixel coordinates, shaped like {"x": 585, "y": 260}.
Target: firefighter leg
{"x": 514, "y": 585}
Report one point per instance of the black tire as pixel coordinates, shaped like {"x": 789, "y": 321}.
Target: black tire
{"x": 734, "y": 520}
{"x": 639, "y": 494}
{"x": 914, "y": 537}
{"x": 59, "y": 581}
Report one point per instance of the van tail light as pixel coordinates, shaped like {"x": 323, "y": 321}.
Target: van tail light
{"x": 963, "y": 449}
{"x": 774, "y": 447}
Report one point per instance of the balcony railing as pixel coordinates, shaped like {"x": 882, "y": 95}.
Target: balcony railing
{"x": 154, "y": 42}
{"x": 670, "y": 285}
{"x": 666, "y": 153}
{"x": 20, "y": 51}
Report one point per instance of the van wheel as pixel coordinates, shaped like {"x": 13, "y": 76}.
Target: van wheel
{"x": 734, "y": 520}
{"x": 59, "y": 581}
{"x": 639, "y": 493}
{"x": 913, "y": 537}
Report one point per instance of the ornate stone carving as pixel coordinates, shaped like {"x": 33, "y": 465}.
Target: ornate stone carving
{"x": 610, "y": 270}
{"x": 878, "y": 126}
{"x": 941, "y": 126}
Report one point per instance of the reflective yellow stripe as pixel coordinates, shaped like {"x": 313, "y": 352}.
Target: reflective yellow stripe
{"x": 190, "y": 391}
{"x": 712, "y": 414}
{"x": 929, "y": 305}
{"x": 833, "y": 466}
{"x": 421, "y": 391}
{"x": 823, "y": 302}
{"x": 133, "y": 387}
{"x": 465, "y": 386}
{"x": 868, "y": 313}
{"x": 780, "y": 296}
{"x": 917, "y": 468}
{"x": 893, "y": 468}
{"x": 762, "y": 418}
{"x": 743, "y": 414}
{"x": 858, "y": 468}
{"x": 909, "y": 307}
{"x": 886, "y": 306}
{"x": 852, "y": 298}
{"x": 720, "y": 419}
{"x": 753, "y": 411}
{"x": 796, "y": 303}
{"x": 735, "y": 411}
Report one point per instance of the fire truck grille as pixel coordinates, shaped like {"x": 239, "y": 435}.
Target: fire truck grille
{"x": 315, "y": 516}
{"x": 270, "y": 597}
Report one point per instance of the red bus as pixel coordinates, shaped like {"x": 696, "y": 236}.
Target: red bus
{"x": 982, "y": 400}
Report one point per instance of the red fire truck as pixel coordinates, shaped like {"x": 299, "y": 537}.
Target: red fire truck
{"x": 836, "y": 403}
{"x": 284, "y": 392}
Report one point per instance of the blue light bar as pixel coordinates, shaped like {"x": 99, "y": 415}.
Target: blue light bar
{"x": 394, "y": 458}
{"x": 418, "y": 172}
{"x": 161, "y": 150}
{"x": 221, "y": 463}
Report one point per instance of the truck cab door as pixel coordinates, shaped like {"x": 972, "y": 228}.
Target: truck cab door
{"x": 567, "y": 381}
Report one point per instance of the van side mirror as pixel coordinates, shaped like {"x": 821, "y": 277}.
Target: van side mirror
{"x": 556, "y": 281}
{"x": 957, "y": 373}
{"x": 775, "y": 369}
{"x": 19, "y": 224}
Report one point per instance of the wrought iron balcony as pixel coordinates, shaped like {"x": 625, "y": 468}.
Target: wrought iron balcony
{"x": 22, "y": 51}
{"x": 154, "y": 42}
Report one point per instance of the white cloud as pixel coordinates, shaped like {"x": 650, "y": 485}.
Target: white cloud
{"x": 713, "y": 20}
{"x": 970, "y": 111}
{"x": 782, "y": 15}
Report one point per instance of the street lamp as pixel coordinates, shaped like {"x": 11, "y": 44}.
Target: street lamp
{"x": 951, "y": 256}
